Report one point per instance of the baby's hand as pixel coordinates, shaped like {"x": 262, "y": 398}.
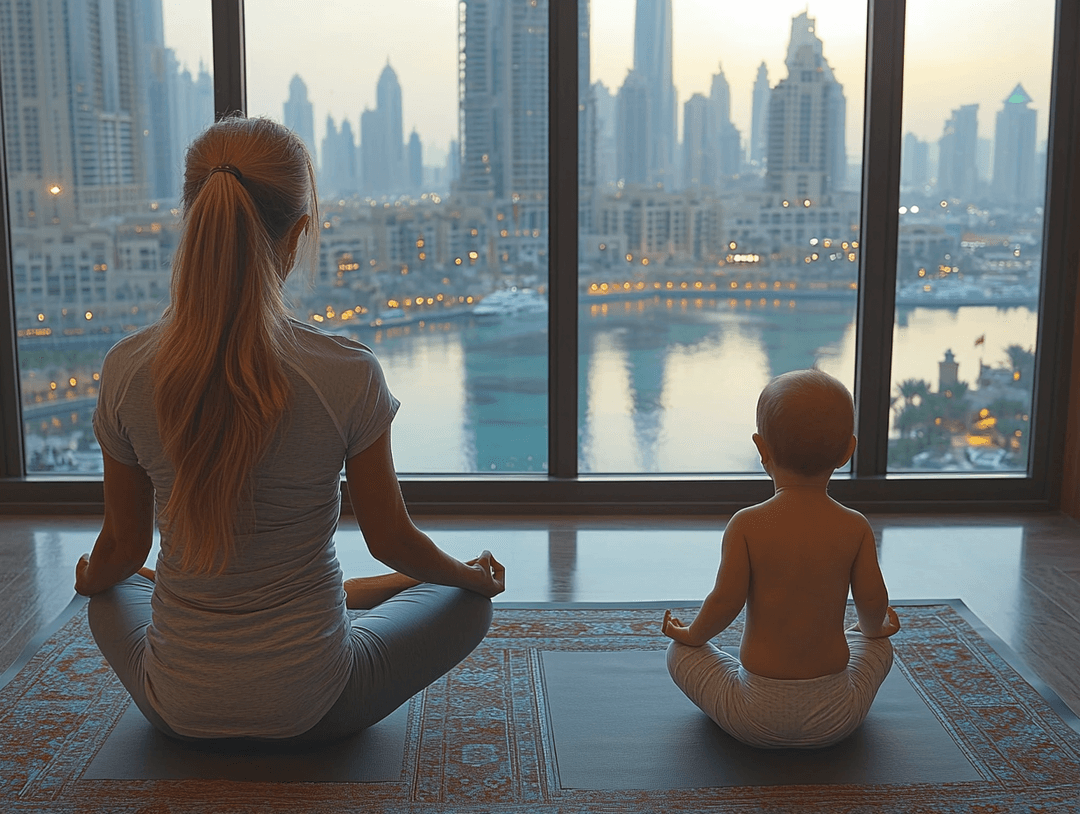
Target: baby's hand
{"x": 674, "y": 629}
{"x": 891, "y": 624}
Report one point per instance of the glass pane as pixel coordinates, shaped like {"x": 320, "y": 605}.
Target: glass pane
{"x": 720, "y": 234}
{"x": 970, "y": 250}
{"x": 432, "y": 167}
{"x": 100, "y": 101}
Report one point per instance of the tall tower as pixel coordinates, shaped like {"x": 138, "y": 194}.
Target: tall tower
{"x": 652, "y": 60}
{"x": 416, "y": 162}
{"x": 503, "y": 120}
{"x": 191, "y": 109}
{"x": 299, "y": 114}
{"x": 337, "y": 175}
{"x": 632, "y": 131}
{"x": 957, "y": 150}
{"x": 587, "y": 123}
{"x": 725, "y": 138}
{"x": 1014, "y": 150}
{"x": 156, "y": 141}
{"x": 604, "y": 102}
{"x": 37, "y": 115}
{"x": 807, "y": 158}
{"x": 759, "y": 117}
{"x": 914, "y": 162}
{"x": 72, "y": 106}
{"x": 699, "y": 152}
{"x": 388, "y": 105}
{"x": 374, "y": 171}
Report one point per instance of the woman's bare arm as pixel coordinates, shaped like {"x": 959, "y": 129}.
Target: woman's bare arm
{"x": 127, "y": 531}
{"x": 395, "y": 541}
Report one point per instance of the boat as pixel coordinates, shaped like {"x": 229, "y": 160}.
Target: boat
{"x": 511, "y": 301}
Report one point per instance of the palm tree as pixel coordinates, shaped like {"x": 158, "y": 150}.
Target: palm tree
{"x": 1022, "y": 362}
{"x": 910, "y": 388}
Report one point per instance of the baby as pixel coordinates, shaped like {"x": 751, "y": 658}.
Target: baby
{"x": 801, "y": 680}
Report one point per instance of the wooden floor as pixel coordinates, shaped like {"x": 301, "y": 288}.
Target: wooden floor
{"x": 1020, "y": 574}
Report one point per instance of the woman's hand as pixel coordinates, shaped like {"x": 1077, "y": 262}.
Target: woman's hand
{"x": 80, "y": 575}
{"x": 676, "y": 630}
{"x": 491, "y": 574}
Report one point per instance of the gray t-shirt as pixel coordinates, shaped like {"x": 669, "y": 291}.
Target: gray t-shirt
{"x": 262, "y": 649}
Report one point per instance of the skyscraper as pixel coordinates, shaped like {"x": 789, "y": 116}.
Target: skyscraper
{"x": 632, "y": 131}
{"x": 154, "y": 99}
{"x": 604, "y": 101}
{"x": 388, "y": 104}
{"x": 652, "y": 61}
{"x": 1014, "y": 150}
{"x": 299, "y": 114}
{"x": 957, "y": 151}
{"x": 73, "y": 117}
{"x": 191, "y": 109}
{"x": 382, "y": 145}
{"x": 416, "y": 162}
{"x": 503, "y": 110}
{"x": 914, "y": 163}
{"x": 337, "y": 174}
{"x": 587, "y": 123}
{"x": 726, "y": 141}
{"x": 807, "y": 158}
{"x": 374, "y": 172}
{"x": 759, "y": 117}
{"x": 699, "y": 154}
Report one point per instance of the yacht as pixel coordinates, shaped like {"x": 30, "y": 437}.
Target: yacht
{"x": 511, "y": 301}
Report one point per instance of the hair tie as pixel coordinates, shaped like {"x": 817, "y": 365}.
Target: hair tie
{"x": 229, "y": 168}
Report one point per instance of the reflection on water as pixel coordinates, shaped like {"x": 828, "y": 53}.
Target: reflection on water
{"x": 666, "y": 385}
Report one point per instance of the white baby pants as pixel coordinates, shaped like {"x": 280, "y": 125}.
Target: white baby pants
{"x": 775, "y": 713}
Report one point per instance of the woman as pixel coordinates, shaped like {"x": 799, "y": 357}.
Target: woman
{"x": 236, "y": 420}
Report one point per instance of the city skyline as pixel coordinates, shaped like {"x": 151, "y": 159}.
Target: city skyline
{"x": 92, "y": 263}
{"x": 738, "y": 39}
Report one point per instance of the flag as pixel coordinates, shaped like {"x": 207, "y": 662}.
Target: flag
{"x": 980, "y": 340}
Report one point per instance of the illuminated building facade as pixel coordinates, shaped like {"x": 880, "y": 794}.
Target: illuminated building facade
{"x": 1014, "y": 151}
{"x": 807, "y": 158}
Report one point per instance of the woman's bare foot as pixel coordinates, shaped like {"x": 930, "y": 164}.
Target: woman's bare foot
{"x": 367, "y": 592}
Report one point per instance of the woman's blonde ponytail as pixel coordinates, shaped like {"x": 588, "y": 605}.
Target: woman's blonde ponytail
{"x": 220, "y": 387}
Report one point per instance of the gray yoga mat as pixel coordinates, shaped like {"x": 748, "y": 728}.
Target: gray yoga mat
{"x": 135, "y": 750}
{"x": 619, "y": 722}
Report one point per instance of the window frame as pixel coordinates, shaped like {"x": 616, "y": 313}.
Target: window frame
{"x": 562, "y": 490}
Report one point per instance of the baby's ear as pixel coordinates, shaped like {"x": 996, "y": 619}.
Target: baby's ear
{"x": 762, "y": 448}
{"x": 849, "y": 452}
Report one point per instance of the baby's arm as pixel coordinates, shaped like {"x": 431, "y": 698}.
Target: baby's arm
{"x": 876, "y": 618}
{"x": 727, "y": 597}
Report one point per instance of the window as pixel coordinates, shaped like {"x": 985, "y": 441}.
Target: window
{"x": 631, "y": 394}
{"x": 92, "y": 207}
{"x": 684, "y": 304}
{"x": 969, "y": 258}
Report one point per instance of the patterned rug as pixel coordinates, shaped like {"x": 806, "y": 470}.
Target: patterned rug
{"x": 480, "y": 740}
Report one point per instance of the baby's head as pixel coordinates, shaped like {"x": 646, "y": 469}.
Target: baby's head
{"x": 806, "y": 418}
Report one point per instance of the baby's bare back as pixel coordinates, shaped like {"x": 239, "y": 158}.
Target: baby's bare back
{"x": 801, "y": 548}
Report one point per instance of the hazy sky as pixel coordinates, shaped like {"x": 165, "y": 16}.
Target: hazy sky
{"x": 958, "y": 52}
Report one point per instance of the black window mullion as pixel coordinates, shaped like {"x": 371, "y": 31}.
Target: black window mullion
{"x": 12, "y": 453}
{"x": 230, "y": 66}
{"x": 562, "y": 237}
{"x": 1061, "y": 258}
{"x": 878, "y": 233}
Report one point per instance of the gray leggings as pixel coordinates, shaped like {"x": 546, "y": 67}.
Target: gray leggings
{"x": 399, "y": 648}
